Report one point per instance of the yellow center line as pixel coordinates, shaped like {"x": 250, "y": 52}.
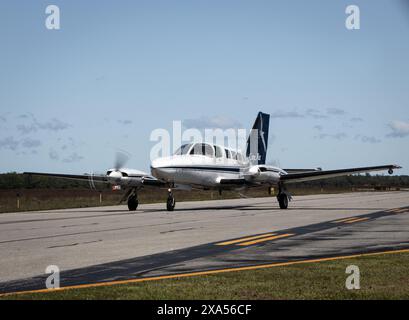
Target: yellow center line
{"x": 401, "y": 210}
{"x": 202, "y": 273}
{"x": 346, "y": 219}
{"x": 265, "y": 239}
{"x": 225, "y": 243}
{"x": 356, "y": 220}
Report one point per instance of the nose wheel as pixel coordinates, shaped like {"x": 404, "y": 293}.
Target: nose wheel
{"x": 133, "y": 202}
{"x": 170, "y": 203}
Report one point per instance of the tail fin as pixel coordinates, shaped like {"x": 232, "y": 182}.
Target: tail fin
{"x": 257, "y": 141}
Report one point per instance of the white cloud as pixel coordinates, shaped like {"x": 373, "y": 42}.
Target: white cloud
{"x": 53, "y": 155}
{"x": 286, "y": 114}
{"x": 52, "y": 125}
{"x": 336, "y": 136}
{"x": 336, "y": 111}
{"x": 367, "y": 139}
{"x": 73, "y": 157}
{"x": 316, "y": 114}
{"x": 9, "y": 143}
{"x": 125, "y": 122}
{"x": 31, "y": 143}
{"x": 399, "y": 129}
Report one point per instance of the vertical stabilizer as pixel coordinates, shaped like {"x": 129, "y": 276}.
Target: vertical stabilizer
{"x": 257, "y": 142}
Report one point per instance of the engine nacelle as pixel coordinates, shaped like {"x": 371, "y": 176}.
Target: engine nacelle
{"x": 126, "y": 177}
{"x": 131, "y": 181}
{"x": 264, "y": 174}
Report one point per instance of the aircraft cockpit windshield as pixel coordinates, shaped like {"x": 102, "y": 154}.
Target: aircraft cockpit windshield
{"x": 184, "y": 149}
{"x": 203, "y": 149}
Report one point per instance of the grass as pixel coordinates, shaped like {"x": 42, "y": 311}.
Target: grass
{"x": 383, "y": 276}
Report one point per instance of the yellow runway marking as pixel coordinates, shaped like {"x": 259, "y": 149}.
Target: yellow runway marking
{"x": 346, "y": 219}
{"x": 248, "y": 243}
{"x": 401, "y": 210}
{"x": 203, "y": 273}
{"x": 356, "y": 220}
{"x": 243, "y": 239}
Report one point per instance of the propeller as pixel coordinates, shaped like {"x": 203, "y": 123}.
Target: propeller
{"x": 121, "y": 158}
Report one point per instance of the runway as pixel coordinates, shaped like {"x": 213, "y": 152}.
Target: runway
{"x": 104, "y": 244}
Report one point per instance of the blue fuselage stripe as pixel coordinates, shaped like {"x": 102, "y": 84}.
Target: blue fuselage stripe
{"x": 205, "y": 168}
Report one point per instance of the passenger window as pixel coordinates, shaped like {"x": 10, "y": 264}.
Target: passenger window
{"x": 218, "y": 152}
{"x": 208, "y": 150}
{"x": 228, "y": 155}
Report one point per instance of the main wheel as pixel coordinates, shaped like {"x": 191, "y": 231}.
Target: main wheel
{"x": 282, "y": 200}
{"x": 170, "y": 204}
{"x": 133, "y": 203}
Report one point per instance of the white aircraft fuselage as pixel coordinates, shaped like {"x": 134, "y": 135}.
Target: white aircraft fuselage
{"x": 207, "y": 171}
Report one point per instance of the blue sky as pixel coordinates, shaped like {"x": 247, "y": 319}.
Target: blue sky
{"x": 116, "y": 70}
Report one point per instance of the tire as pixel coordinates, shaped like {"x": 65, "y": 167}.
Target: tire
{"x": 170, "y": 204}
{"x": 283, "y": 201}
{"x": 133, "y": 203}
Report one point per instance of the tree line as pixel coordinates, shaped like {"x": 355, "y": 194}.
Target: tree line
{"x": 15, "y": 180}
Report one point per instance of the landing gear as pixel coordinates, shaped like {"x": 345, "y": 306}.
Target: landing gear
{"x": 133, "y": 201}
{"x": 170, "y": 203}
{"x": 283, "y": 201}
{"x": 283, "y": 197}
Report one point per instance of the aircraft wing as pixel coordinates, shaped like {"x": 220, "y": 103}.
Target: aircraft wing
{"x": 139, "y": 181}
{"x": 78, "y": 177}
{"x": 153, "y": 182}
{"x": 324, "y": 174}
{"x": 301, "y": 170}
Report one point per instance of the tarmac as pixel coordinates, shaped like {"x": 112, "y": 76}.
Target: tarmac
{"x": 105, "y": 244}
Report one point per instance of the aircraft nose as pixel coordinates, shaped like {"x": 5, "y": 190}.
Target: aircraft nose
{"x": 155, "y": 164}
{"x": 155, "y": 167}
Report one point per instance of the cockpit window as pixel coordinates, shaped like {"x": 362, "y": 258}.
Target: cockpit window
{"x": 203, "y": 149}
{"x": 184, "y": 149}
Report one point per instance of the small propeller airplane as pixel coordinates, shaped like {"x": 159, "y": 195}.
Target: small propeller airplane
{"x": 213, "y": 167}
